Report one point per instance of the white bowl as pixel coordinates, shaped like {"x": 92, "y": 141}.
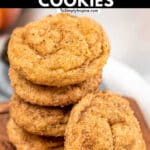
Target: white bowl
{"x": 120, "y": 78}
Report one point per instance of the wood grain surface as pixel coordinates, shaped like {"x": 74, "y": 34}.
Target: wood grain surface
{"x": 4, "y": 115}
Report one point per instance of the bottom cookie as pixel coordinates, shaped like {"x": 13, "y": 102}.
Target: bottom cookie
{"x": 23, "y": 140}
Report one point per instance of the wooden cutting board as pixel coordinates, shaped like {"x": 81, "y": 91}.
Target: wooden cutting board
{"x": 4, "y": 115}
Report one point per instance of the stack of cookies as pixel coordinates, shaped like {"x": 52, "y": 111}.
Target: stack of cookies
{"x": 54, "y": 63}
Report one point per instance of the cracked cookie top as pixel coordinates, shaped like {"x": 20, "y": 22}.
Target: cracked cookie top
{"x": 103, "y": 120}
{"x": 59, "y": 50}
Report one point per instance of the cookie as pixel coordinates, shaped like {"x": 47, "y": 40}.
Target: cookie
{"x": 59, "y": 50}
{"x": 103, "y": 120}
{"x": 52, "y": 96}
{"x": 45, "y": 121}
{"x": 23, "y": 140}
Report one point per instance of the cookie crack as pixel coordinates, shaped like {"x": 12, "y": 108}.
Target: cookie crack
{"x": 86, "y": 62}
{"x": 113, "y": 142}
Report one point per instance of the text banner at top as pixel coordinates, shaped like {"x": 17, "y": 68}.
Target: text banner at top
{"x": 74, "y": 4}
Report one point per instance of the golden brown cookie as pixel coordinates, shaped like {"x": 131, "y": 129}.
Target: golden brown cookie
{"x": 23, "y": 140}
{"x": 59, "y": 50}
{"x": 52, "y": 96}
{"x": 46, "y": 121}
{"x": 101, "y": 121}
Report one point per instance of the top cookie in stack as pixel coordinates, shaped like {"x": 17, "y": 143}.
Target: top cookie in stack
{"x": 57, "y": 60}
{"x": 59, "y": 50}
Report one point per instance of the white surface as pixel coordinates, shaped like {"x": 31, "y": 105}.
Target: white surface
{"x": 121, "y": 79}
